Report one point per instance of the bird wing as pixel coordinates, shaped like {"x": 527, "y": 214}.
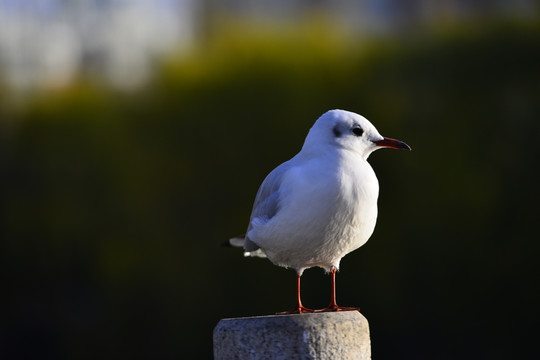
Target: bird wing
{"x": 266, "y": 204}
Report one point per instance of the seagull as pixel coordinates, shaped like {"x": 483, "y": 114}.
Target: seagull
{"x": 317, "y": 207}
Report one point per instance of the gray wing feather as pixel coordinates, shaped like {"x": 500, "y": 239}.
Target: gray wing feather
{"x": 266, "y": 204}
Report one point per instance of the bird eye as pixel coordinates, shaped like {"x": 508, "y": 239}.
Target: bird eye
{"x": 357, "y": 131}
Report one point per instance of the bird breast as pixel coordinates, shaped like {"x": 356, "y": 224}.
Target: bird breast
{"x": 329, "y": 212}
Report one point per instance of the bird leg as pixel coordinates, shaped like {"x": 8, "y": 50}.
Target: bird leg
{"x": 333, "y": 305}
{"x": 299, "y": 309}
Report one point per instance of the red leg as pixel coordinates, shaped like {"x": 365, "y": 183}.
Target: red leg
{"x": 299, "y": 309}
{"x": 333, "y": 305}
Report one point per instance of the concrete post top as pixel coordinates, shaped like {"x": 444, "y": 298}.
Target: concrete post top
{"x": 303, "y": 320}
{"x": 329, "y": 335}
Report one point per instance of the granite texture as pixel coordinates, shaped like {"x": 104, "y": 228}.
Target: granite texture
{"x": 331, "y": 335}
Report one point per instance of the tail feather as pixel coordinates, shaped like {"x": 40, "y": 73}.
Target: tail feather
{"x": 237, "y": 241}
{"x": 250, "y": 248}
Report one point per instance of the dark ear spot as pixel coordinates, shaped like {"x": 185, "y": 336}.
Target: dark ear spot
{"x": 336, "y": 131}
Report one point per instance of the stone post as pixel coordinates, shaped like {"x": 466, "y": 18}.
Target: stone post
{"x": 328, "y": 335}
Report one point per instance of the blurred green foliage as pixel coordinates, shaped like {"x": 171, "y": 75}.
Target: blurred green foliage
{"x": 115, "y": 205}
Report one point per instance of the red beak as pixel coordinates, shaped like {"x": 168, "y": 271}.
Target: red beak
{"x": 392, "y": 143}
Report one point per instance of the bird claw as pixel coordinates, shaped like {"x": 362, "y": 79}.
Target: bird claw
{"x": 335, "y": 308}
{"x": 296, "y": 310}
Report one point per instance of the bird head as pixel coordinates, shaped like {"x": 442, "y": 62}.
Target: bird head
{"x": 350, "y": 131}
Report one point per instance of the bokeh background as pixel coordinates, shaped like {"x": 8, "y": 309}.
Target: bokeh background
{"x": 134, "y": 136}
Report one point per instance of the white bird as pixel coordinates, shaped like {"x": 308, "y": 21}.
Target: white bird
{"x": 322, "y": 204}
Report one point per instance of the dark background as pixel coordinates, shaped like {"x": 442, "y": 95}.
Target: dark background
{"x": 114, "y": 204}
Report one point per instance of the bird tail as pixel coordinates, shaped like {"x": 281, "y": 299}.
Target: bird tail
{"x": 250, "y": 248}
{"x": 237, "y": 241}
